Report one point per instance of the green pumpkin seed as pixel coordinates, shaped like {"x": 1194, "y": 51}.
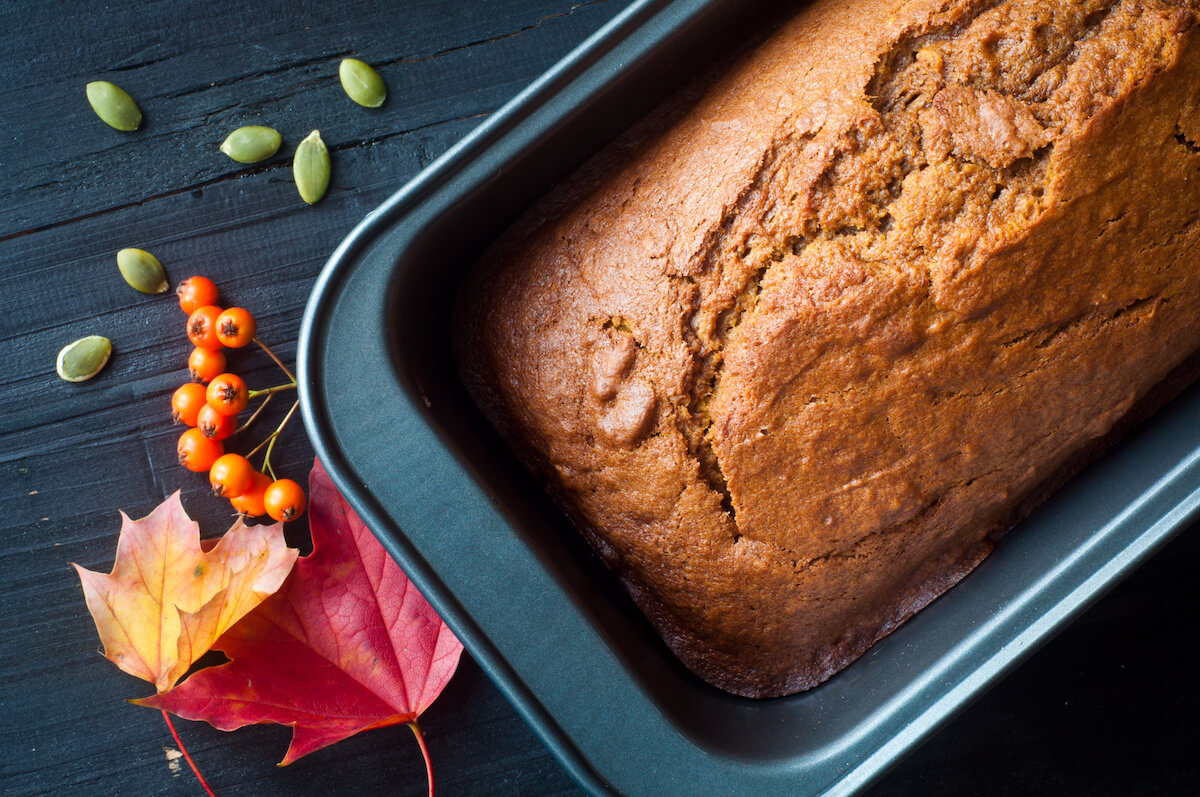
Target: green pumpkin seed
{"x": 310, "y": 167}
{"x": 142, "y": 271}
{"x": 114, "y": 107}
{"x": 362, "y": 83}
{"x": 83, "y": 359}
{"x": 251, "y": 144}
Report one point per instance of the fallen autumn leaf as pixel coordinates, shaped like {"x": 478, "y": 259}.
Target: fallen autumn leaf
{"x": 167, "y": 600}
{"x": 348, "y": 644}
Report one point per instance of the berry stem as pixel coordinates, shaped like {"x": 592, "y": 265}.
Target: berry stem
{"x": 416, "y": 729}
{"x": 187, "y": 756}
{"x": 266, "y": 391}
{"x": 267, "y": 458}
{"x": 269, "y": 441}
{"x": 278, "y": 361}
{"x": 254, "y": 414}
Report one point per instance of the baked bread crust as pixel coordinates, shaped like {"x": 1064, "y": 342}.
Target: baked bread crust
{"x": 793, "y": 362}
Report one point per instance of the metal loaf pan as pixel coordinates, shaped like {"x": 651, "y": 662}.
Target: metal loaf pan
{"x": 533, "y": 605}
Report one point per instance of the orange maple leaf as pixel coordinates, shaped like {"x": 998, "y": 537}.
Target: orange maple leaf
{"x": 168, "y": 599}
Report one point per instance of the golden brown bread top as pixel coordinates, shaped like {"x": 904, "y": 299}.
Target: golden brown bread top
{"x": 793, "y": 361}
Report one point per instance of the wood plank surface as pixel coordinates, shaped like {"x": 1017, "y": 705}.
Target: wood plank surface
{"x": 1109, "y": 707}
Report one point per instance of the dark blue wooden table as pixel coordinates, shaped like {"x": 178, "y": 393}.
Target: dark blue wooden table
{"x": 1109, "y": 707}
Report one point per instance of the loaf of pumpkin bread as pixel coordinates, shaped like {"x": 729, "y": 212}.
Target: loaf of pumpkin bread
{"x": 792, "y": 359}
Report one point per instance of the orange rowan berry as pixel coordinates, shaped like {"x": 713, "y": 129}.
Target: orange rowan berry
{"x": 197, "y": 452}
{"x": 215, "y": 424}
{"x": 284, "y": 500}
{"x": 251, "y": 501}
{"x": 227, "y": 394}
{"x": 186, "y": 403}
{"x": 236, "y": 327}
{"x": 202, "y": 327}
{"x": 196, "y": 292}
{"x": 231, "y": 475}
{"x": 205, "y": 364}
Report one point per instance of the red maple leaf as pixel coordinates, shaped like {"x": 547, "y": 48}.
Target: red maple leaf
{"x": 348, "y": 644}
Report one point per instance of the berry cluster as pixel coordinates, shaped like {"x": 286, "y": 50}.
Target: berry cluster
{"x": 212, "y": 411}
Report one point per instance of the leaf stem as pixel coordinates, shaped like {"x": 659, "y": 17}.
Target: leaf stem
{"x": 278, "y": 361}
{"x": 187, "y": 757}
{"x": 416, "y": 729}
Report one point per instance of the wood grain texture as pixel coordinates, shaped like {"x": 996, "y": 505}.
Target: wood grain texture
{"x": 199, "y": 70}
{"x": 75, "y": 192}
{"x": 1107, "y": 708}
